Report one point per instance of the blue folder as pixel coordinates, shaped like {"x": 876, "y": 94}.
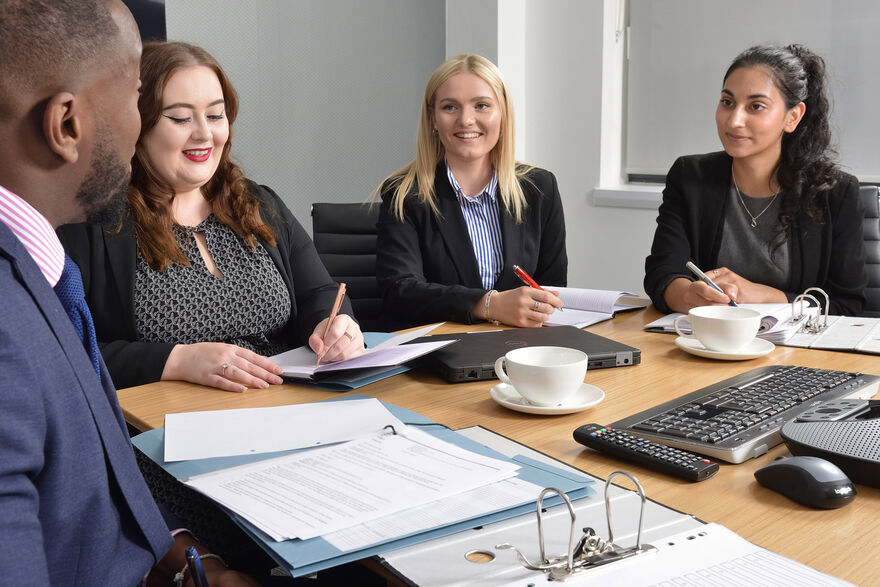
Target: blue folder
{"x": 355, "y": 378}
{"x": 303, "y": 557}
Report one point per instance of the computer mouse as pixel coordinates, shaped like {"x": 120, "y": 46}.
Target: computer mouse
{"x": 810, "y": 481}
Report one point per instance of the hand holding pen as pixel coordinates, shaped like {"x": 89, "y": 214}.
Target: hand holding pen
{"x": 527, "y": 279}
{"x": 705, "y": 279}
{"x": 338, "y": 336}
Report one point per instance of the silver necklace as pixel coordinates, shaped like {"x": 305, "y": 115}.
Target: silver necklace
{"x": 746, "y": 208}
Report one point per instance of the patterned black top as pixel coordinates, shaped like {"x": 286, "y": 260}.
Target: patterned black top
{"x": 248, "y": 306}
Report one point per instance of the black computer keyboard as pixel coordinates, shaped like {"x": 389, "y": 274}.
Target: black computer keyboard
{"x": 740, "y": 418}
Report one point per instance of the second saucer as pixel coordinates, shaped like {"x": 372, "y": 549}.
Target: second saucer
{"x": 757, "y": 348}
{"x": 585, "y": 397}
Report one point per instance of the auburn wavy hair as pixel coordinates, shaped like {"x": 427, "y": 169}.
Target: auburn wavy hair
{"x": 149, "y": 197}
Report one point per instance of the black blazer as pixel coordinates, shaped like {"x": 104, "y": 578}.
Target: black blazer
{"x": 108, "y": 263}
{"x": 426, "y": 266}
{"x": 830, "y": 255}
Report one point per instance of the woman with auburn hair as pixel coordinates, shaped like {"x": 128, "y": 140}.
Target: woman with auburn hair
{"x": 455, "y": 221}
{"x": 209, "y": 272}
{"x": 772, "y": 214}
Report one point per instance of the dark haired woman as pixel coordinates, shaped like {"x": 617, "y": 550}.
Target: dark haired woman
{"x": 209, "y": 272}
{"x": 772, "y": 214}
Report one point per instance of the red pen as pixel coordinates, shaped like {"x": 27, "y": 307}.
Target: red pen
{"x": 527, "y": 279}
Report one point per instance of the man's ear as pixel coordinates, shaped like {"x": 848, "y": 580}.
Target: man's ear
{"x": 62, "y": 126}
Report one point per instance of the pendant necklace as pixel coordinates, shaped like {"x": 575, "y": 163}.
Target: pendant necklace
{"x": 746, "y": 208}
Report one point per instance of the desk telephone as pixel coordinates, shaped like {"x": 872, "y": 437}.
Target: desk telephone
{"x": 843, "y": 431}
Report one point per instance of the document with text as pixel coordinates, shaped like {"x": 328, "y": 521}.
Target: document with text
{"x": 315, "y": 492}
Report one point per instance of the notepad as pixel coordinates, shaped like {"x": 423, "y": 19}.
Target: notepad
{"x": 299, "y": 363}
{"x": 584, "y": 307}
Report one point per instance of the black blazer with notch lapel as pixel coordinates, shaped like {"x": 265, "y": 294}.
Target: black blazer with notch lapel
{"x": 108, "y": 263}
{"x": 426, "y": 266}
{"x": 830, "y": 255}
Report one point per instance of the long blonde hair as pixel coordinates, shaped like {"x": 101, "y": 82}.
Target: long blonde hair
{"x": 430, "y": 151}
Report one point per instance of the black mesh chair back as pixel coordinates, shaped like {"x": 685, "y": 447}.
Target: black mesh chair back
{"x": 345, "y": 237}
{"x": 871, "y": 229}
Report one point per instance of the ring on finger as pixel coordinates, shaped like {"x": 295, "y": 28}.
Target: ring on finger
{"x": 349, "y": 335}
{"x": 537, "y": 305}
{"x": 223, "y": 368}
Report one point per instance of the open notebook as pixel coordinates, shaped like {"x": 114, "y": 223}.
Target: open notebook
{"x": 584, "y": 307}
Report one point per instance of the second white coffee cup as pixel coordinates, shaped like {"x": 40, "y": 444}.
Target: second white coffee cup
{"x": 725, "y": 329}
{"x": 544, "y": 375}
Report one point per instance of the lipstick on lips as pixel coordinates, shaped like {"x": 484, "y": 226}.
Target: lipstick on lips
{"x": 198, "y": 155}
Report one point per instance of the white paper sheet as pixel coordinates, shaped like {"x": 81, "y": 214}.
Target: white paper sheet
{"x": 711, "y": 556}
{"x": 312, "y": 493}
{"x": 470, "y": 504}
{"x": 223, "y": 433}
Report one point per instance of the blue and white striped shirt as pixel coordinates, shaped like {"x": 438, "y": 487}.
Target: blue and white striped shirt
{"x": 484, "y": 227}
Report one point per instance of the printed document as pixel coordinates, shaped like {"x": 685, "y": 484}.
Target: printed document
{"x": 224, "y": 433}
{"x": 315, "y": 492}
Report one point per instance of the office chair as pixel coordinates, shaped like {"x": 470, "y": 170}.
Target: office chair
{"x": 345, "y": 237}
{"x": 871, "y": 230}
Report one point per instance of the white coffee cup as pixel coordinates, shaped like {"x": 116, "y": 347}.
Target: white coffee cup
{"x": 544, "y": 375}
{"x": 725, "y": 329}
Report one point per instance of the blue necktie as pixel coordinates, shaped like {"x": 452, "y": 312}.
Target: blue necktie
{"x": 69, "y": 290}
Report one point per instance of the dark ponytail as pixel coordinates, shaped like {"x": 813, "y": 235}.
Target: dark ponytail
{"x": 807, "y": 166}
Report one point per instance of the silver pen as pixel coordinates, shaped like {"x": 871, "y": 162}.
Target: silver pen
{"x": 705, "y": 279}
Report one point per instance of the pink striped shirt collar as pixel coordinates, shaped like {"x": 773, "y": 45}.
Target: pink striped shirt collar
{"x": 35, "y": 233}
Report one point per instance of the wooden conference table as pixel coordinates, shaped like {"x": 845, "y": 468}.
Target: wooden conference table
{"x": 843, "y": 542}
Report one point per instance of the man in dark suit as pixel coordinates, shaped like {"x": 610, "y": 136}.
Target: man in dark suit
{"x": 74, "y": 509}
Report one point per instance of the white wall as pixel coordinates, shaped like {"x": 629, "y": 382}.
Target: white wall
{"x": 330, "y": 90}
{"x": 560, "y": 113}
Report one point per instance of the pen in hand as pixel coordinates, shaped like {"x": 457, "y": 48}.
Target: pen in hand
{"x": 527, "y": 279}
{"x": 195, "y": 567}
{"x": 705, "y": 279}
{"x": 340, "y": 293}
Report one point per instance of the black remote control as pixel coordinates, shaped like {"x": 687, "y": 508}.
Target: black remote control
{"x": 652, "y": 455}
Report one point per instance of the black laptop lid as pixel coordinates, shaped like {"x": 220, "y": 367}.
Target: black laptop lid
{"x": 473, "y": 357}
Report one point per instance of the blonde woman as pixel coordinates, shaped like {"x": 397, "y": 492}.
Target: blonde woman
{"x": 455, "y": 221}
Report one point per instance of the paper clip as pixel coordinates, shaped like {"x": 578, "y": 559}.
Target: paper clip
{"x": 812, "y": 324}
{"x": 591, "y": 551}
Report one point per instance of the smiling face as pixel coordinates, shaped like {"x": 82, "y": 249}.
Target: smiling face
{"x": 752, "y": 115}
{"x": 186, "y": 144}
{"x": 467, "y": 118}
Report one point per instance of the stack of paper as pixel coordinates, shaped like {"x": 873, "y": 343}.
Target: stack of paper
{"x": 482, "y": 486}
{"x": 316, "y": 492}
{"x": 584, "y": 307}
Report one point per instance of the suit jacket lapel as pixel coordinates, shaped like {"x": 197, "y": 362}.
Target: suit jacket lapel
{"x": 122, "y": 255}
{"x": 454, "y": 231}
{"x": 513, "y": 239}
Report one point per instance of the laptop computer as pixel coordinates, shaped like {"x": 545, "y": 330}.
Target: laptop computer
{"x": 473, "y": 357}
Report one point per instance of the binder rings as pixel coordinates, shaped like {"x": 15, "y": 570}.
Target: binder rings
{"x": 684, "y": 550}
{"x": 303, "y": 557}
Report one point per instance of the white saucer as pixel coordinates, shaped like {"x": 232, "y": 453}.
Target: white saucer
{"x": 586, "y": 397}
{"x": 757, "y": 348}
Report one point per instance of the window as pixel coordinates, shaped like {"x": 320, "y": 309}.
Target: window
{"x": 680, "y": 49}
